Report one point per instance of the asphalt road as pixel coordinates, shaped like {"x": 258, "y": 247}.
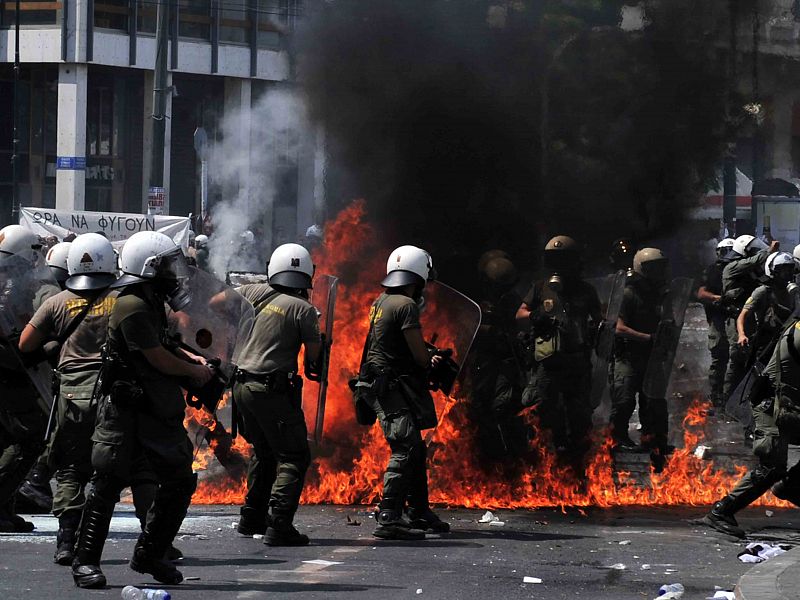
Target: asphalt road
{"x": 610, "y": 554}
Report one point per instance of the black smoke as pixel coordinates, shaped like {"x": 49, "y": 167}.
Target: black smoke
{"x": 433, "y": 114}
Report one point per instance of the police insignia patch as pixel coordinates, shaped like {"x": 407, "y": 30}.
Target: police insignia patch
{"x": 86, "y": 258}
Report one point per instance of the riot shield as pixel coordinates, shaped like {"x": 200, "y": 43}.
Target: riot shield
{"x": 667, "y": 336}
{"x": 450, "y": 321}
{"x": 612, "y": 289}
{"x": 738, "y": 404}
{"x": 323, "y": 297}
{"x": 217, "y": 321}
{"x": 23, "y": 289}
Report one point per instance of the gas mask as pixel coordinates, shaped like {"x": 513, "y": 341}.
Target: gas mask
{"x": 556, "y": 283}
{"x": 175, "y": 292}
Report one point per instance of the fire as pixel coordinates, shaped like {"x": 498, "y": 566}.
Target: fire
{"x": 348, "y": 468}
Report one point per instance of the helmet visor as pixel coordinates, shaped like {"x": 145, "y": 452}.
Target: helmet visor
{"x": 173, "y": 265}
{"x": 656, "y": 270}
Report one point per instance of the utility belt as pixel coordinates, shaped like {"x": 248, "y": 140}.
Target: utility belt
{"x": 117, "y": 379}
{"x": 275, "y": 382}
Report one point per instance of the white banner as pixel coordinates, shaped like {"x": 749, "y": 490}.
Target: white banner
{"x": 118, "y": 227}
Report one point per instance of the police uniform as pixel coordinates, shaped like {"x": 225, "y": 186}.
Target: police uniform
{"x": 496, "y": 373}
{"x": 22, "y": 418}
{"x": 641, "y": 310}
{"x": 718, "y": 344}
{"x": 771, "y": 305}
{"x": 402, "y": 402}
{"x": 140, "y": 415}
{"x": 560, "y": 385}
{"x": 777, "y": 424}
{"x": 738, "y": 283}
{"x": 268, "y": 395}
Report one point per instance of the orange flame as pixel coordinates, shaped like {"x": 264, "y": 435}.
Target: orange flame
{"x": 348, "y": 468}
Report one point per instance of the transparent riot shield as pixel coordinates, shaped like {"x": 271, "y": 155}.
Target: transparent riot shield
{"x": 665, "y": 342}
{"x": 237, "y": 278}
{"x": 450, "y": 321}
{"x": 216, "y": 322}
{"x": 323, "y": 297}
{"x": 610, "y": 291}
{"x": 23, "y": 289}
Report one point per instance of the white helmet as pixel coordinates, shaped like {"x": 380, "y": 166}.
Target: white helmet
{"x": 796, "y": 253}
{"x": 408, "y": 265}
{"x": 57, "y": 261}
{"x": 16, "y": 240}
{"x": 748, "y": 245}
{"x": 91, "y": 263}
{"x": 776, "y": 260}
{"x": 149, "y": 255}
{"x": 200, "y": 240}
{"x": 726, "y": 244}
{"x": 291, "y": 266}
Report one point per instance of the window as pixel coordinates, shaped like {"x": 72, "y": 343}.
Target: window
{"x": 234, "y": 21}
{"x": 194, "y": 19}
{"x": 146, "y": 16}
{"x": 99, "y": 122}
{"x": 111, "y": 14}
{"x": 30, "y": 14}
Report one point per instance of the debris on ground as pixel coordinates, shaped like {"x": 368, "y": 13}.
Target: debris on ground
{"x": 322, "y": 562}
{"x": 671, "y": 591}
{"x": 703, "y": 452}
{"x": 258, "y": 536}
{"x": 419, "y": 590}
{"x": 722, "y": 595}
{"x": 618, "y": 567}
{"x": 531, "y": 580}
{"x": 769, "y": 513}
{"x": 624, "y": 542}
{"x": 353, "y": 522}
{"x": 492, "y": 519}
{"x": 758, "y": 552}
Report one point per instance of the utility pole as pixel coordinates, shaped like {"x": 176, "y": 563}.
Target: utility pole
{"x": 156, "y": 196}
{"x": 729, "y": 165}
{"x": 15, "y": 199}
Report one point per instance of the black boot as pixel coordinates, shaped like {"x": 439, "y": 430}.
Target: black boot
{"x": 92, "y": 536}
{"x": 65, "y": 540}
{"x": 148, "y": 557}
{"x": 12, "y": 522}
{"x": 721, "y": 517}
{"x": 281, "y": 532}
{"x": 165, "y": 518}
{"x": 35, "y": 491}
{"x": 144, "y": 493}
{"x": 253, "y": 521}
{"x": 391, "y": 526}
{"x": 427, "y": 520}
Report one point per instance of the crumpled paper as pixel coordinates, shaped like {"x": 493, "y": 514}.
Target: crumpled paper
{"x": 758, "y": 552}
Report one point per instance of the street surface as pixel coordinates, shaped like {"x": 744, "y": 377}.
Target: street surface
{"x": 575, "y": 556}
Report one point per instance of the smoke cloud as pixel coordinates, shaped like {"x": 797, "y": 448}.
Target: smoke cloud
{"x": 434, "y": 112}
{"x": 257, "y": 152}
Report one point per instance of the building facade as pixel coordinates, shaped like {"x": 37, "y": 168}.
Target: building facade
{"x": 85, "y": 106}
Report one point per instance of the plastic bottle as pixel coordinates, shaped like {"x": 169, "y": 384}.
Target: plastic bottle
{"x": 671, "y": 590}
{"x": 130, "y": 592}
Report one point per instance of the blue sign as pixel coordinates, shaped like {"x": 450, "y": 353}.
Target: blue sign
{"x": 71, "y": 163}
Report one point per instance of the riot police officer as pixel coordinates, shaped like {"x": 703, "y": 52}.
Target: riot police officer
{"x": 739, "y": 278}
{"x": 36, "y": 487}
{"x": 639, "y": 316}
{"x": 770, "y": 305}
{"x": 77, "y": 319}
{"x": 710, "y": 295}
{"x": 621, "y": 255}
{"x": 563, "y": 312}
{"x": 201, "y": 252}
{"x": 22, "y": 418}
{"x": 395, "y": 366}
{"x": 776, "y": 410}
{"x": 268, "y": 394}
{"x": 141, "y": 411}
{"x": 496, "y": 369}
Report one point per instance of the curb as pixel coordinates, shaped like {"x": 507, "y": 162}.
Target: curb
{"x": 761, "y": 581}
